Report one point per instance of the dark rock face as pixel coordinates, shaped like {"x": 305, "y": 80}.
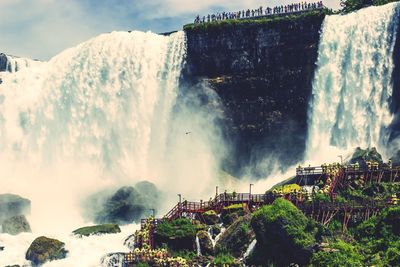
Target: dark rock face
{"x": 237, "y": 237}
{"x": 3, "y": 62}
{"x": 13, "y": 205}
{"x": 16, "y": 225}
{"x": 205, "y": 242}
{"x": 124, "y": 206}
{"x": 263, "y": 75}
{"x": 45, "y": 249}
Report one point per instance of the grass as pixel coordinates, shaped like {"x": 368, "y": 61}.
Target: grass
{"x": 254, "y": 21}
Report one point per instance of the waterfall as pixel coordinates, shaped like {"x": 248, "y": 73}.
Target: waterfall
{"x": 250, "y": 249}
{"x": 106, "y": 113}
{"x": 352, "y": 87}
{"x": 13, "y": 64}
{"x": 198, "y": 247}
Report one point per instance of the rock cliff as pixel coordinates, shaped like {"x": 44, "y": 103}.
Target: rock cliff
{"x": 262, "y": 73}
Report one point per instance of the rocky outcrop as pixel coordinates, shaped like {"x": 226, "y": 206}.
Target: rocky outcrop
{"x": 97, "y": 230}
{"x": 206, "y": 245}
{"x": 3, "y": 62}
{"x": 16, "y": 225}
{"x": 45, "y": 249}
{"x": 113, "y": 259}
{"x": 126, "y": 205}
{"x": 13, "y": 205}
{"x": 262, "y": 73}
{"x": 236, "y": 238}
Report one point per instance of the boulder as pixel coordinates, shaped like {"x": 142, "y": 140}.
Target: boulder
{"x": 211, "y": 217}
{"x": 284, "y": 235}
{"x": 179, "y": 234}
{"x": 130, "y": 242}
{"x": 16, "y": 225}
{"x": 361, "y": 156}
{"x": 206, "y": 244}
{"x": 126, "y": 205}
{"x": 236, "y": 237}
{"x": 13, "y": 205}
{"x": 113, "y": 259}
{"x": 97, "y": 230}
{"x": 45, "y": 249}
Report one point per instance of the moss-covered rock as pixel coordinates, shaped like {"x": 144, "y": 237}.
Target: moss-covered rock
{"x": 178, "y": 234}
{"x": 16, "y": 225}
{"x": 236, "y": 237}
{"x": 231, "y": 213}
{"x": 211, "y": 217}
{"x": 97, "y": 229}
{"x": 13, "y": 205}
{"x": 361, "y": 156}
{"x": 284, "y": 235}
{"x": 206, "y": 244}
{"x": 45, "y": 249}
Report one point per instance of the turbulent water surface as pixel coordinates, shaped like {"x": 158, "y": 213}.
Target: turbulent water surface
{"x": 106, "y": 113}
{"x": 353, "y": 81}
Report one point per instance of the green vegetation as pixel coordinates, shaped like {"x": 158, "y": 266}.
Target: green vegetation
{"x": 142, "y": 264}
{"x": 223, "y": 259}
{"x": 378, "y": 238}
{"x": 97, "y": 229}
{"x": 339, "y": 254}
{"x": 211, "y": 217}
{"x": 284, "y": 234}
{"x": 254, "y": 21}
{"x": 180, "y": 228}
{"x": 354, "y": 5}
{"x": 234, "y": 207}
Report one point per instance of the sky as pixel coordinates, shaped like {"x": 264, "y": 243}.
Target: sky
{"x": 40, "y": 29}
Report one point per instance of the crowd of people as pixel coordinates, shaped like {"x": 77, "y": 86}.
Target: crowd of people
{"x": 259, "y": 12}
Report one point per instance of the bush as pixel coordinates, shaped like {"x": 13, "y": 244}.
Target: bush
{"x": 340, "y": 254}
{"x": 177, "y": 228}
{"x": 354, "y": 5}
{"x": 224, "y": 260}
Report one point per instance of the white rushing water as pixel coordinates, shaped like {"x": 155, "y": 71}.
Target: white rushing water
{"x": 353, "y": 82}
{"x": 14, "y": 64}
{"x": 82, "y": 252}
{"x": 106, "y": 113}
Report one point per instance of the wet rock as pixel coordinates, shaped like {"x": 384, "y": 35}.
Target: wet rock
{"x": 236, "y": 237}
{"x": 113, "y": 259}
{"x": 206, "y": 245}
{"x": 45, "y": 249}
{"x": 130, "y": 242}
{"x": 16, "y": 225}
{"x": 211, "y": 217}
{"x": 13, "y": 205}
{"x": 97, "y": 230}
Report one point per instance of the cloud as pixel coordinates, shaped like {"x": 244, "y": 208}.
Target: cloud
{"x": 42, "y": 28}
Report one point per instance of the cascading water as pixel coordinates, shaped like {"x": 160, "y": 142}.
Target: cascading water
{"x": 353, "y": 81}
{"x": 108, "y": 112}
{"x": 14, "y": 64}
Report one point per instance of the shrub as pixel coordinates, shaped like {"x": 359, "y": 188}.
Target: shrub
{"x": 340, "y": 254}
